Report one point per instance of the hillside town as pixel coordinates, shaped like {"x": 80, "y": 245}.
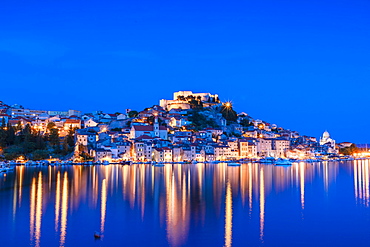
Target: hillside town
{"x": 191, "y": 127}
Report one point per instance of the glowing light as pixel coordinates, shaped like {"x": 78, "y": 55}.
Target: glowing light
{"x": 32, "y": 208}
{"x": 63, "y": 228}
{"x": 228, "y": 215}
{"x": 262, "y": 204}
{"x": 301, "y": 171}
{"x": 57, "y": 202}
{"x": 38, "y": 211}
{"x": 103, "y": 205}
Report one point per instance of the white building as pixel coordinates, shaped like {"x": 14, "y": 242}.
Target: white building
{"x": 178, "y": 103}
{"x": 154, "y": 130}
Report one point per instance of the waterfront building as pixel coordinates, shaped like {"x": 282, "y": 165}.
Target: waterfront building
{"x": 247, "y": 148}
{"x": 280, "y": 146}
{"x": 264, "y": 147}
{"x": 162, "y": 154}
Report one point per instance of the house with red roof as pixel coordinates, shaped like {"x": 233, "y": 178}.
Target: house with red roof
{"x": 154, "y": 130}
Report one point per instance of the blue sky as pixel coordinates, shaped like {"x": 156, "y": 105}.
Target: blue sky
{"x": 303, "y": 65}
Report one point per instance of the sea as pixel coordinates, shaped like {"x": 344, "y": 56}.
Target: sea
{"x": 303, "y": 204}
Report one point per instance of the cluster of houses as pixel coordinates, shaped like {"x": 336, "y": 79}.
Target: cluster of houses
{"x": 165, "y": 133}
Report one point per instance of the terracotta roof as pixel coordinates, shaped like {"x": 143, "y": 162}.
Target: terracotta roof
{"x": 147, "y": 128}
{"x": 143, "y": 128}
{"x": 144, "y": 137}
{"x": 72, "y": 121}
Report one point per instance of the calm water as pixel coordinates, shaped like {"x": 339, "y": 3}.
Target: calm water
{"x": 322, "y": 204}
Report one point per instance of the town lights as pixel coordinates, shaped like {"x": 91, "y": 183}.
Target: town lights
{"x": 228, "y": 104}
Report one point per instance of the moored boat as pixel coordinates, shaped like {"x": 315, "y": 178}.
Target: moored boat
{"x": 233, "y": 164}
{"x": 283, "y": 162}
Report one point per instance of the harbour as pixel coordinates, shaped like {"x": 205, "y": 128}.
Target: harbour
{"x": 187, "y": 204}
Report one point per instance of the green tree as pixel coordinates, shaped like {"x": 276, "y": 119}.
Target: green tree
{"x": 50, "y": 126}
{"x": 3, "y": 138}
{"x": 132, "y": 114}
{"x": 19, "y": 126}
{"x": 40, "y": 154}
{"x": 68, "y": 142}
{"x": 228, "y": 112}
{"x": 10, "y": 135}
{"x": 349, "y": 150}
{"x": 54, "y": 140}
{"x": 245, "y": 122}
{"x": 196, "y": 104}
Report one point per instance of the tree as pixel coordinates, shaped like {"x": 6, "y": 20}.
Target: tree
{"x": 54, "y": 140}
{"x": 10, "y": 135}
{"x": 50, "y": 126}
{"x": 195, "y": 104}
{"x": 181, "y": 97}
{"x": 228, "y": 112}
{"x": 245, "y": 122}
{"x": 40, "y": 154}
{"x": 19, "y": 126}
{"x": 349, "y": 150}
{"x": 3, "y": 138}
{"x": 199, "y": 121}
{"x": 132, "y": 114}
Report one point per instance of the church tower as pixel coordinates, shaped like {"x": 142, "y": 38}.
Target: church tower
{"x": 156, "y": 126}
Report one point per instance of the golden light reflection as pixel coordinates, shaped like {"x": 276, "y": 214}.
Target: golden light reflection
{"x": 175, "y": 190}
{"x": 63, "y": 221}
{"x": 32, "y": 208}
{"x": 20, "y": 171}
{"x": 262, "y": 203}
{"x": 177, "y": 207}
{"x": 228, "y": 215}
{"x": 15, "y": 197}
{"x": 250, "y": 189}
{"x": 301, "y": 172}
{"x": 38, "y": 211}
{"x": 103, "y": 205}
{"x": 361, "y": 181}
{"x": 57, "y": 202}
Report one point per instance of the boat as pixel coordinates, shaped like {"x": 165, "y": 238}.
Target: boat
{"x": 283, "y": 162}
{"x": 267, "y": 160}
{"x": 105, "y": 162}
{"x": 157, "y": 163}
{"x": 97, "y": 234}
{"x": 125, "y": 163}
{"x": 233, "y": 164}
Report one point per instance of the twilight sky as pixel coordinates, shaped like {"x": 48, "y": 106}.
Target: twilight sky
{"x": 304, "y": 65}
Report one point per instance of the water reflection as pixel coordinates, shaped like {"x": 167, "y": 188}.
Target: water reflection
{"x": 228, "y": 215}
{"x": 301, "y": 174}
{"x": 36, "y": 210}
{"x": 262, "y": 203}
{"x": 182, "y": 196}
{"x": 103, "y": 205}
{"x": 361, "y": 181}
{"x": 64, "y": 211}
